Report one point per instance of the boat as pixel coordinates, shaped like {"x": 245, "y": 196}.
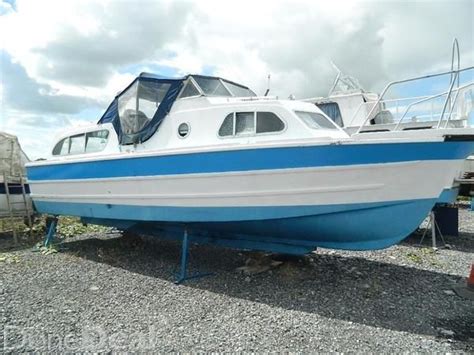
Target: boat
{"x": 15, "y": 200}
{"x": 358, "y": 112}
{"x": 207, "y": 158}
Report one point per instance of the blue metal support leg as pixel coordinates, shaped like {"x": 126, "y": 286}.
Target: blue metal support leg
{"x": 184, "y": 261}
{"x": 51, "y": 231}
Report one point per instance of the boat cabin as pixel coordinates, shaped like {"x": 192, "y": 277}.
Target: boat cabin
{"x": 351, "y": 109}
{"x": 195, "y": 111}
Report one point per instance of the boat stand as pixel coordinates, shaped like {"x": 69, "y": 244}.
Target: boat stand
{"x": 434, "y": 226}
{"x": 53, "y": 223}
{"x": 182, "y": 276}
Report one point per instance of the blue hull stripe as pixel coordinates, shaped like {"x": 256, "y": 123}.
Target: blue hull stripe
{"x": 350, "y": 226}
{"x": 254, "y": 159}
{"x": 200, "y": 214}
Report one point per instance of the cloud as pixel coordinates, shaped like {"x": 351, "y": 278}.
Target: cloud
{"x": 36, "y": 132}
{"x": 65, "y": 56}
{"x": 84, "y": 43}
{"x": 33, "y": 111}
{"x": 5, "y": 8}
{"x": 296, "y": 41}
{"x": 23, "y": 93}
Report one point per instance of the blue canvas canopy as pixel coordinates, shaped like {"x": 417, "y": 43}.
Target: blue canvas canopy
{"x": 112, "y": 114}
{"x": 137, "y": 111}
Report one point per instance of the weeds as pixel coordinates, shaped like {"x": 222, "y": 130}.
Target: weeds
{"x": 67, "y": 227}
{"x": 9, "y": 258}
{"x": 423, "y": 255}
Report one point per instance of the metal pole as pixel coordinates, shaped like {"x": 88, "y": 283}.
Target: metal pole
{"x": 184, "y": 257}
{"x": 10, "y": 208}
{"x": 51, "y": 231}
{"x": 455, "y": 51}
{"x": 448, "y": 99}
{"x": 27, "y": 207}
{"x": 453, "y": 104}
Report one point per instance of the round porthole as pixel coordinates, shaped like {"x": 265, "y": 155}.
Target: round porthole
{"x": 183, "y": 130}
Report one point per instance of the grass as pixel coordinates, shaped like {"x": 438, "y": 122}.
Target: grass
{"x": 67, "y": 227}
{"x": 423, "y": 255}
{"x": 9, "y": 258}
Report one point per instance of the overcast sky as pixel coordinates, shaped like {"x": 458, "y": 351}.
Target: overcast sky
{"x": 62, "y": 62}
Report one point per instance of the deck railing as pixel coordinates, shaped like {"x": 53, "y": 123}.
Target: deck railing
{"x": 448, "y": 105}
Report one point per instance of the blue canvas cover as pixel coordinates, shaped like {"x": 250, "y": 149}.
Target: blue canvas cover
{"x": 135, "y": 126}
{"x": 112, "y": 112}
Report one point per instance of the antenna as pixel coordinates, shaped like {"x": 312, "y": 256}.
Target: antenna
{"x": 338, "y": 76}
{"x": 268, "y": 85}
{"x": 344, "y": 82}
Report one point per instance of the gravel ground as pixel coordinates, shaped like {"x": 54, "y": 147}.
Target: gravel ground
{"x": 112, "y": 293}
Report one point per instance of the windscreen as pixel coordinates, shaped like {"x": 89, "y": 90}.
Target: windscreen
{"x": 238, "y": 90}
{"x": 212, "y": 86}
{"x": 315, "y": 120}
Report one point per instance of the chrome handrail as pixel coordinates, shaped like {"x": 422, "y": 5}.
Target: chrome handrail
{"x": 389, "y": 85}
{"x": 454, "y": 51}
{"x": 385, "y": 101}
{"x": 448, "y": 100}
{"x": 453, "y": 105}
{"x": 428, "y": 98}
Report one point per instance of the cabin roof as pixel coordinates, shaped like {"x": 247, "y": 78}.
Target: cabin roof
{"x": 159, "y": 93}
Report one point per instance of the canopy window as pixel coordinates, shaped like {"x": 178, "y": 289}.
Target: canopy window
{"x": 238, "y": 90}
{"x": 190, "y": 90}
{"x": 212, "y": 86}
{"x": 139, "y": 103}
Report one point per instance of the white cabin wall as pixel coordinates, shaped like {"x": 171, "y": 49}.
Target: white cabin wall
{"x": 352, "y": 105}
{"x": 206, "y": 114}
{"x": 349, "y": 106}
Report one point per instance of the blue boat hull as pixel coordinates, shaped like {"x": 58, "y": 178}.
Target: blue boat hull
{"x": 354, "y": 227}
{"x": 340, "y": 218}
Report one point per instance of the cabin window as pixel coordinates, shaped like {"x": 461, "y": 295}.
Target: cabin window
{"x": 212, "y": 86}
{"x": 227, "y": 127}
{"x": 315, "y": 120}
{"x": 183, "y": 130}
{"x": 89, "y": 142}
{"x": 190, "y": 90}
{"x": 77, "y": 144}
{"x": 96, "y": 141}
{"x": 244, "y": 123}
{"x": 139, "y": 103}
{"x": 331, "y": 109}
{"x": 269, "y": 122}
{"x": 62, "y": 147}
{"x": 248, "y": 123}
